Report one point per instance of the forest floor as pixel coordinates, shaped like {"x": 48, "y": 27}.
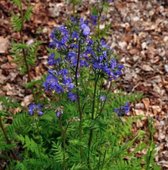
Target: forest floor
{"x": 139, "y": 35}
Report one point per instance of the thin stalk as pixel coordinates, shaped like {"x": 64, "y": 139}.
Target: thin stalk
{"x": 100, "y": 112}
{"x": 22, "y": 40}
{"x": 99, "y": 163}
{"x": 78, "y": 97}
{"x": 92, "y": 117}
{"x": 73, "y": 9}
{"x": 7, "y": 139}
{"x": 63, "y": 141}
{"x": 151, "y": 148}
{"x": 104, "y": 156}
{"x": 94, "y": 96}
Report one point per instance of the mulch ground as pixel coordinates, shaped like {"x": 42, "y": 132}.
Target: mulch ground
{"x": 139, "y": 35}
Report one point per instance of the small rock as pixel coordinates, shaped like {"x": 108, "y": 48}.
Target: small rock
{"x": 165, "y": 39}
{"x": 135, "y": 18}
{"x": 138, "y": 112}
{"x": 4, "y": 44}
{"x": 102, "y": 26}
{"x": 156, "y": 109}
{"x": 146, "y": 102}
{"x": 139, "y": 106}
{"x": 135, "y": 57}
{"x": 27, "y": 100}
{"x": 8, "y": 66}
{"x": 144, "y": 45}
{"x": 2, "y": 78}
{"x": 158, "y": 89}
{"x": 1, "y": 107}
{"x": 139, "y": 124}
{"x": 122, "y": 44}
{"x": 29, "y": 42}
{"x": 166, "y": 68}
{"x": 13, "y": 75}
{"x": 55, "y": 9}
{"x": 45, "y": 30}
{"x": 146, "y": 67}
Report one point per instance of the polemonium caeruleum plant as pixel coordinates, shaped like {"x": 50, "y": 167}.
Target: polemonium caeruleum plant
{"x": 79, "y": 64}
{"x": 77, "y": 124}
{"x": 77, "y": 72}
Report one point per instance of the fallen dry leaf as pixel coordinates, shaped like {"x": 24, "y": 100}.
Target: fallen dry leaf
{"x": 146, "y": 102}
{"x": 4, "y": 44}
{"x": 27, "y": 100}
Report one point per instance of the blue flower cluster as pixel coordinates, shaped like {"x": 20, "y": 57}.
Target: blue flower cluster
{"x": 102, "y": 98}
{"x": 101, "y": 62}
{"x": 84, "y": 27}
{"x": 112, "y": 69}
{"x": 72, "y": 44}
{"x": 35, "y": 108}
{"x": 58, "y": 82}
{"x": 94, "y": 19}
{"x": 60, "y": 37}
{"x": 123, "y": 110}
{"x": 59, "y": 113}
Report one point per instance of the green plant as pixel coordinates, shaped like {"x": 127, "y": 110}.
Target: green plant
{"x": 78, "y": 124}
{"x": 25, "y": 54}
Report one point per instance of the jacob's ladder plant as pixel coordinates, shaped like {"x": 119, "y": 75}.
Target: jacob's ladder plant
{"x": 78, "y": 124}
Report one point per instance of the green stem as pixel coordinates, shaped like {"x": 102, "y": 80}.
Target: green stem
{"x": 104, "y": 156}
{"x": 22, "y": 40}
{"x": 92, "y": 118}
{"x": 99, "y": 162}
{"x": 151, "y": 148}
{"x": 101, "y": 109}
{"x": 78, "y": 97}
{"x": 94, "y": 96}
{"x": 63, "y": 136}
{"x": 7, "y": 139}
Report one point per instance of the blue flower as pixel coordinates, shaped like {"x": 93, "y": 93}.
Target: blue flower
{"x": 83, "y": 63}
{"x": 51, "y": 59}
{"x": 60, "y": 37}
{"x": 74, "y": 20}
{"x": 94, "y": 19}
{"x": 104, "y": 44}
{"x": 116, "y": 69}
{"x": 74, "y": 45}
{"x": 72, "y": 57}
{"x": 63, "y": 72}
{"x": 111, "y": 68}
{"x": 123, "y": 110}
{"x": 100, "y": 61}
{"x": 102, "y": 98}
{"x": 75, "y": 35}
{"x": 89, "y": 42}
{"x": 58, "y": 82}
{"x": 52, "y": 84}
{"x": 67, "y": 81}
{"x": 35, "y": 108}
{"x": 89, "y": 52}
{"x": 84, "y": 27}
{"x": 59, "y": 113}
{"x": 72, "y": 96}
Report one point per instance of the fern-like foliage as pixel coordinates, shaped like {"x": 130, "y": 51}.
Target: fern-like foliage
{"x": 25, "y": 54}
{"x": 31, "y": 53}
{"x": 28, "y": 14}
{"x": 16, "y": 22}
{"x": 17, "y": 2}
